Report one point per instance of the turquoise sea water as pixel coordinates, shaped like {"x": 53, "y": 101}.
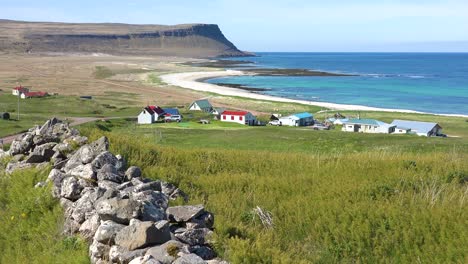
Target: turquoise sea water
{"x": 428, "y": 82}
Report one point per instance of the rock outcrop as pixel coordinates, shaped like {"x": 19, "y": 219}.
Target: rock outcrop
{"x": 125, "y": 217}
{"x": 189, "y": 40}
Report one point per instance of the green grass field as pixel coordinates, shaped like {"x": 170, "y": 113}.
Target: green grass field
{"x": 35, "y": 111}
{"x": 334, "y": 197}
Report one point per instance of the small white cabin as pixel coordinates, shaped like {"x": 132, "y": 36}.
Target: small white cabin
{"x": 425, "y": 129}
{"x": 240, "y": 117}
{"x": 147, "y": 116}
{"x": 300, "y": 119}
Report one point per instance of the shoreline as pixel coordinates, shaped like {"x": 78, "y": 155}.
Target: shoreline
{"x": 194, "y": 81}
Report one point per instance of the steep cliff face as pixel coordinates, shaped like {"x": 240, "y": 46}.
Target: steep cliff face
{"x": 194, "y": 40}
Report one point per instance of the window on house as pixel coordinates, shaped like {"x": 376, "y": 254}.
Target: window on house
{"x": 232, "y": 117}
{"x": 240, "y": 118}
{"x": 224, "y": 117}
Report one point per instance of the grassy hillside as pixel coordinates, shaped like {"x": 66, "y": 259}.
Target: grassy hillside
{"x": 367, "y": 198}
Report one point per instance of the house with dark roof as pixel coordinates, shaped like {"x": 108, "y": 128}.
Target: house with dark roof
{"x": 240, "y": 117}
{"x": 217, "y": 111}
{"x": 367, "y": 126}
{"x": 19, "y": 90}
{"x": 425, "y": 129}
{"x": 147, "y": 116}
{"x": 201, "y": 105}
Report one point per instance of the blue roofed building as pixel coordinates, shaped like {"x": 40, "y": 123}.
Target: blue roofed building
{"x": 171, "y": 111}
{"x": 367, "y": 126}
{"x": 426, "y": 129}
{"x": 299, "y": 119}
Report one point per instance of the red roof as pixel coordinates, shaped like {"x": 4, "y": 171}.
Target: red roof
{"x": 158, "y": 110}
{"x": 235, "y": 113}
{"x": 20, "y": 88}
{"x": 35, "y": 94}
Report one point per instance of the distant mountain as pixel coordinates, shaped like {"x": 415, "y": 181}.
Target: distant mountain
{"x": 192, "y": 40}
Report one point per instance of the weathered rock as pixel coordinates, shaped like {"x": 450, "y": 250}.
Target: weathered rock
{"x": 104, "y": 158}
{"x": 84, "y": 171}
{"x": 34, "y": 158}
{"x": 150, "y": 212}
{"x": 189, "y": 259}
{"x": 120, "y": 255}
{"x": 205, "y": 220}
{"x": 203, "y": 252}
{"x": 13, "y": 166}
{"x": 153, "y": 186}
{"x": 167, "y": 252}
{"x": 121, "y": 164}
{"x": 45, "y": 150}
{"x": 184, "y": 213}
{"x": 108, "y": 185}
{"x": 71, "y": 189}
{"x": 108, "y": 172}
{"x": 154, "y": 197}
{"x": 100, "y": 145}
{"x": 217, "y": 261}
{"x": 167, "y": 188}
{"x": 56, "y": 177}
{"x": 143, "y": 234}
{"x": 107, "y": 231}
{"x": 89, "y": 227}
{"x": 21, "y": 144}
{"x": 144, "y": 260}
{"x": 99, "y": 250}
{"x": 117, "y": 209}
{"x": 132, "y": 172}
{"x": 84, "y": 206}
{"x": 63, "y": 148}
{"x": 193, "y": 237}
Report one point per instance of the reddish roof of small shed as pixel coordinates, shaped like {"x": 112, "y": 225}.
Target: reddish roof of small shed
{"x": 158, "y": 110}
{"x": 35, "y": 94}
{"x": 235, "y": 113}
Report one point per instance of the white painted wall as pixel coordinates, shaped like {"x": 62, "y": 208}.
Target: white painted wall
{"x": 145, "y": 118}
{"x": 237, "y": 119}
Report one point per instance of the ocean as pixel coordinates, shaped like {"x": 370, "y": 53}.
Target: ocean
{"x": 427, "y": 82}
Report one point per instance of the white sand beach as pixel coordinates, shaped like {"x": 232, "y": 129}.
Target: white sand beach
{"x": 193, "y": 80}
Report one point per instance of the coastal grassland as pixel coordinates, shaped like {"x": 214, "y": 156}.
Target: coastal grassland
{"x": 31, "y": 221}
{"x": 362, "y": 199}
{"x": 35, "y": 111}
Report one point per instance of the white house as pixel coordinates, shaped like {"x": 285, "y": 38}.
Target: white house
{"x": 300, "y": 119}
{"x": 367, "y": 126}
{"x": 147, "y": 116}
{"x": 19, "y": 90}
{"x": 241, "y": 117}
{"x": 201, "y": 105}
{"x": 426, "y": 129}
{"x": 402, "y": 130}
{"x": 217, "y": 110}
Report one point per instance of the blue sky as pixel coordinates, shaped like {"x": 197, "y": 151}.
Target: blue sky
{"x": 293, "y": 25}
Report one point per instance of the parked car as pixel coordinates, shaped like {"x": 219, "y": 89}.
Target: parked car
{"x": 173, "y": 118}
{"x": 275, "y": 123}
{"x": 320, "y": 127}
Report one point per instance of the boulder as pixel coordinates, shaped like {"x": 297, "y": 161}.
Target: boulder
{"x": 167, "y": 252}
{"x": 108, "y": 172}
{"x": 22, "y": 144}
{"x": 84, "y": 171}
{"x": 100, "y": 145}
{"x": 104, "y": 158}
{"x": 107, "y": 231}
{"x": 70, "y": 189}
{"x": 89, "y": 227}
{"x": 150, "y": 212}
{"x": 184, "y": 213}
{"x": 117, "y": 209}
{"x": 194, "y": 237}
{"x": 144, "y": 260}
{"x": 205, "y": 220}
{"x": 189, "y": 259}
{"x": 154, "y": 197}
{"x": 34, "y": 158}
{"x": 99, "y": 250}
{"x": 203, "y": 252}
{"x": 45, "y": 150}
{"x": 108, "y": 185}
{"x": 132, "y": 172}
{"x": 148, "y": 186}
{"x": 120, "y": 255}
{"x": 143, "y": 234}
{"x": 121, "y": 164}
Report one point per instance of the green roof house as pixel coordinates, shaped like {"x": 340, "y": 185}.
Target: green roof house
{"x": 201, "y": 105}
